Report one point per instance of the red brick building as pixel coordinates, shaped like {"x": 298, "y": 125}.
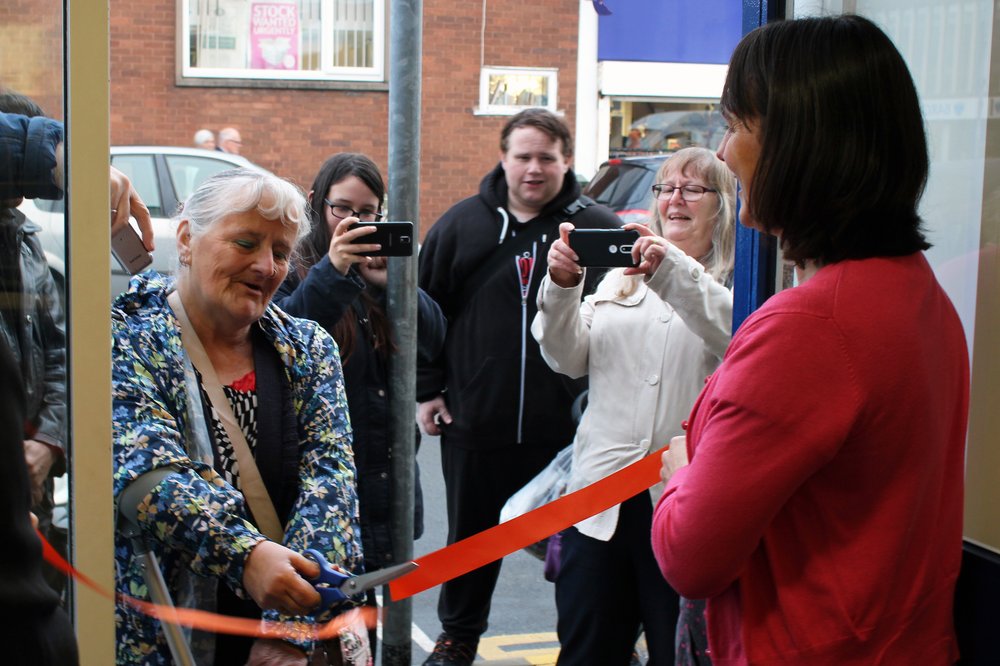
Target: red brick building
{"x": 33, "y": 30}
{"x": 290, "y": 127}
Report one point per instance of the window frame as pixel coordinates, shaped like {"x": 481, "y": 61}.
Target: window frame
{"x": 352, "y": 76}
{"x": 488, "y": 109}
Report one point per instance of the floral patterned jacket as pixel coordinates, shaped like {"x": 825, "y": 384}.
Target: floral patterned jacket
{"x": 196, "y": 522}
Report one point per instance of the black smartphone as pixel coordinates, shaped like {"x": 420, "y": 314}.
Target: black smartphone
{"x": 396, "y": 238}
{"x": 128, "y": 249}
{"x": 603, "y": 247}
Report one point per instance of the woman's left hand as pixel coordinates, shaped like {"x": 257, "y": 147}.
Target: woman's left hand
{"x": 375, "y": 271}
{"x": 675, "y": 457}
{"x": 269, "y": 652}
{"x": 648, "y": 251}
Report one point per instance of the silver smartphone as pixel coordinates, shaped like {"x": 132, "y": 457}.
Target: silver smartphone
{"x": 128, "y": 249}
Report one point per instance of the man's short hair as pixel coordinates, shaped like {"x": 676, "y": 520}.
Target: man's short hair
{"x": 15, "y": 102}
{"x": 543, "y": 120}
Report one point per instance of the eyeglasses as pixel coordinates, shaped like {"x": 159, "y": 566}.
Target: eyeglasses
{"x": 346, "y": 211}
{"x": 690, "y": 193}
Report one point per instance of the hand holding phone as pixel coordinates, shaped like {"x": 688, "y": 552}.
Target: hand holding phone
{"x": 128, "y": 249}
{"x": 603, "y": 247}
{"x": 561, "y": 260}
{"x": 396, "y": 238}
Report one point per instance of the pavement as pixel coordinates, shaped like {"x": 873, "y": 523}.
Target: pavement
{"x": 522, "y": 629}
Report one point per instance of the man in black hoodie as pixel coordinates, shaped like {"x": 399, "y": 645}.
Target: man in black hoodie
{"x": 501, "y": 412}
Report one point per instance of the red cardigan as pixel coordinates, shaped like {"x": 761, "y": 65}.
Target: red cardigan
{"x": 821, "y": 514}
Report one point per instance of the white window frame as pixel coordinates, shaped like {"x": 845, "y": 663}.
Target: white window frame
{"x": 486, "y": 108}
{"x": 373, "y": 74}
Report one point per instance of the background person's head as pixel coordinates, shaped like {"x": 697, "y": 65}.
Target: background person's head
{"x": 347, "y": 179}
{"x": 204, "y": 139}
{"x": 705, "y": 228}
{"x": 827, "y": 139}
{"x": 235, "y": 240}
{"x": 15, "y": 102}
{"x": 230, "y": 140}
{"x": 536, "y": 151}
{"x": 634, "y": 139}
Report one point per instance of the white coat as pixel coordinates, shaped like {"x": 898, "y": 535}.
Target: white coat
{"x": 648, "y": 355}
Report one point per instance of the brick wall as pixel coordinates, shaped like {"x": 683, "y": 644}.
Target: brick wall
{"x": 458, "y": 148}
{"x": 291, "y": 132}
{"x": 31, "y": 51}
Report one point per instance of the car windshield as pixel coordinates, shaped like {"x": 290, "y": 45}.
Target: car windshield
{"x": 141, "y": 170}
{"x": 621, "y": 186}
{"x": 189, "y": 171}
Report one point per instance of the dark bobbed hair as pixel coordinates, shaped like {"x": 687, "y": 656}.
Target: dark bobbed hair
{"x": 843, "y": 159}
{"x": 543, "y": 120}
{"x": 317, "y": 244}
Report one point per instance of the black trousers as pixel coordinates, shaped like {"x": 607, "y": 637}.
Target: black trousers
{"x": 607, "y": 590}
{"x": 477, "y": 484}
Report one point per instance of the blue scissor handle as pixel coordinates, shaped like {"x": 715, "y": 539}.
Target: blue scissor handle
{"x": 329, "y": 580}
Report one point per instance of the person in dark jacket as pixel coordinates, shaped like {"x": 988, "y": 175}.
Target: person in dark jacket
{"x": 33, "y": 326}
{"x": 34, "y": 629}
{"x": 345, "y": 293}
{"x": 501, "y": 412}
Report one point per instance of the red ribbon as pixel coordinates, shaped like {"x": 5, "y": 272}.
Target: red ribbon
{"x": 492, "y": 544}
{"x": 435, "y": 568}
{"x": 214, "y": 622}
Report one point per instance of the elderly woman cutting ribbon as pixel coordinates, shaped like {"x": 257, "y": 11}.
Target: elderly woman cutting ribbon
{"x": 269, "y": 387}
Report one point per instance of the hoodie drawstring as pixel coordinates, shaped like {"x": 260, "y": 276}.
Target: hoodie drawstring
{"x": 506, "y": 223}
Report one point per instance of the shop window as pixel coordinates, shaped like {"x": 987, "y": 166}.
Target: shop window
{"x": 507, "y": 90}
{"x": 303, "y": 40}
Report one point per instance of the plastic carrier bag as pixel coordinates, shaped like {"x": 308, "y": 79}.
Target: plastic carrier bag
{"x": 548, "y": 485}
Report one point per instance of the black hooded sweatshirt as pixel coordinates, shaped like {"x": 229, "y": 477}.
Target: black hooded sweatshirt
{"x": 498, "y": 388}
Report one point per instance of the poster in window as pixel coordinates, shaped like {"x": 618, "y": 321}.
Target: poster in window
{"x": 274, "y": 35}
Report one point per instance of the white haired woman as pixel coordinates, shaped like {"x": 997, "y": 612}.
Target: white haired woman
{"x": 647, "y": 345}
{"x": 282, "y": 381}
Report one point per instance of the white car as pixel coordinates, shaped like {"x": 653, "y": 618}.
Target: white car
{"x": 164, "y": 176}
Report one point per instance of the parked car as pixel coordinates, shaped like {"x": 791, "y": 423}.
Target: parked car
{"x": 668, "y": 131}
{"x": 624, "y": 184}
{"x": 164, "y": 176}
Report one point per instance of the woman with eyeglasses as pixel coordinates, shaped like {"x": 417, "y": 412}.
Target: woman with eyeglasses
{"x": 821, "y": 511}
{"x": 337, "y": 286}
{"x": 647, "y": 338}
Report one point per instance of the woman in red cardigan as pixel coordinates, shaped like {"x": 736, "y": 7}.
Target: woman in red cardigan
{"x": 821, "y": 512}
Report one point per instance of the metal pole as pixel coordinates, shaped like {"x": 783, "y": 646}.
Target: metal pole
{"x": 159, "y": 593}
{"x": 405, "y": 44}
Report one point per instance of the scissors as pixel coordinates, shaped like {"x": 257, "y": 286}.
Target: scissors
{"x": 336, "y": 586}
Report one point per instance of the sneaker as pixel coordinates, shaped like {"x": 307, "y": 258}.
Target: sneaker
{"x": 452, "y": 651}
